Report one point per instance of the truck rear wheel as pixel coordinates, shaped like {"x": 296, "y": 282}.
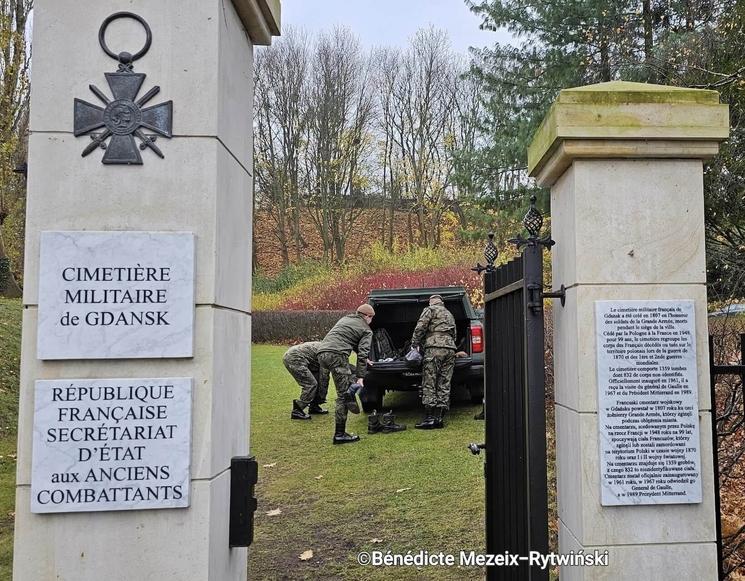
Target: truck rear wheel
{"x": 476, "y": 391}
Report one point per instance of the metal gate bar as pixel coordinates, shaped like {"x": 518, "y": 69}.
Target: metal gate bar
{"x": 514, "y": 398}
{"x": 516, "y": 499}
{"x": 714, "y": 371}
{"x": 536, "y": 400}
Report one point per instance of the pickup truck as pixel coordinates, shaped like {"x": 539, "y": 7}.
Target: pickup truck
{"x": 396, "y": 314}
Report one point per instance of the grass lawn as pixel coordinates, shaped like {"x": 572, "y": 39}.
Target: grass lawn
{"x": 401, "y": 492}
{"x": 10, "y": 357}
{"x": 390, "y": 492}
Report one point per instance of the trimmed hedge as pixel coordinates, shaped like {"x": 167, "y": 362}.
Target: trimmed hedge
{"x": 292, "y": 326}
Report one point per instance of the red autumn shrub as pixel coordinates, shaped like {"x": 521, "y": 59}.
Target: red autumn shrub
{"x": 349, "y": 294}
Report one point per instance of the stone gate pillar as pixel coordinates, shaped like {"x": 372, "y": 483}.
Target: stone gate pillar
{"x": 633, "y": 408}
{"x": 134, "y": 391}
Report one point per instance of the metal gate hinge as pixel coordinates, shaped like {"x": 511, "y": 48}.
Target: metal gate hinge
{"x": 559, "y": 294}
{"x": 535, "y": 297}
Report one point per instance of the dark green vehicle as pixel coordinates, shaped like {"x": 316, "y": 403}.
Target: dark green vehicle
{"x": 396, "y": 314}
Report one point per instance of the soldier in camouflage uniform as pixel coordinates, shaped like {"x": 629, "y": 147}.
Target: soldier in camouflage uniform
{"x": 436, "y": 331}
{"x": 351, "y": 333}
{"x": 302, "y": 363}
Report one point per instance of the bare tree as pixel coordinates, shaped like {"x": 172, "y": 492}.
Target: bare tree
{"x": 339, "y": 133}
{"x": 14, "y": 96}
{"x": 423, "y": 122}
{"x": 281, "y": 116}
{"x": 339, "y": 140}
{"x": 464, "y": 142}
{"x": 388, "y": 66}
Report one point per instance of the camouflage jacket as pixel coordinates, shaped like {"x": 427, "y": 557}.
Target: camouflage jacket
{"x": 305, "y": 354}
{"x": 351, "y": 333}
{"x": 435, "y": 328}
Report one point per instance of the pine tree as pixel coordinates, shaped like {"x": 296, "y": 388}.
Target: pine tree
{"x": 569, "y": 43}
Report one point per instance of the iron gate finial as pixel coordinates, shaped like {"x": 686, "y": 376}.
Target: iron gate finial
{"x": 490, "y": 253}
{"x": 533, "y": 220}
{"x": 533, "y": 223}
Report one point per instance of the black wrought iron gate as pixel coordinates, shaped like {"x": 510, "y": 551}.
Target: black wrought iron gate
{"x": 728, "y": 423}
{"x": 514, "y": 399}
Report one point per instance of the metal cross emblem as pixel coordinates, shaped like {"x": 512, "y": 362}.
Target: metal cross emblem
{"x": 123, "y": 118}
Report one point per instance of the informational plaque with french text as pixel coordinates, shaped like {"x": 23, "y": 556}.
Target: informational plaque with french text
{"x": 111, "y": 444}
{"x": 648, "y": 402}
{"x": 116, "y": 295}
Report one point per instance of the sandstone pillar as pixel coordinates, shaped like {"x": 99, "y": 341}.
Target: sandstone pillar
{"x": 624, "y": 164}
{"x": 201, "y": 57}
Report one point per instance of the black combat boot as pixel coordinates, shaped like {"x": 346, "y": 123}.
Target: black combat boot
{"x": 341, "y": 437}
{"x": 389, "y": 424}
{"x": 428, "y": 422}
{"x": 439, "y": 416}
{"x": 373, "y": 423}
{"x": 298, "y": 411}
{"x": 317, "y": 409}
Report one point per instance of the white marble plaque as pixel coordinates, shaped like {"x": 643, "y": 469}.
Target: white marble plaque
{"x": 116, "y": 295}
{"x": 111, "y": 444}
{"x": 648, "y": 402}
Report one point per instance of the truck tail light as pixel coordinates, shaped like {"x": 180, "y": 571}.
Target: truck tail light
{"x": 477, "y": 339}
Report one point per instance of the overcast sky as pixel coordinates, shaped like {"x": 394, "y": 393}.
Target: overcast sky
{"x": 391, "y": 22}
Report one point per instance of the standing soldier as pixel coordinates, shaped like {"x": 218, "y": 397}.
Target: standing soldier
{"x": 436, "y": 329}
{"x": 302, "y": 363}
{"x": 351, "y": 333}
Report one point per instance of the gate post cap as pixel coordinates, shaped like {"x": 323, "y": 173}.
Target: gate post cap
{"x": 621, "y": 119}
{"x": 261, "y": 18}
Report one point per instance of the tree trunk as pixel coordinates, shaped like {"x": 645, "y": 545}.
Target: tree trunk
{"x": 391, "y": 223}
{"x": 648, "y": 39}
{"x": 460, "y": 214}
{"x": 254, "y": 255}
{"x": 605, "y": 72}
{"x": 383, "y": 225}
{"x": 296, "y": 227}
{"x": 434, "y": 226}
{"x": 422, "y": 225}
{"x": 281, "y": 228}
{"x": 340, "y": 244}
{"x": 690, "y": 18}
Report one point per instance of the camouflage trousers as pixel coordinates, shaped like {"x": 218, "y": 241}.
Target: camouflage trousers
{"x": 437, "y": 371}
{"x": 312, "y": 389}
{"x": 338, "y": 365}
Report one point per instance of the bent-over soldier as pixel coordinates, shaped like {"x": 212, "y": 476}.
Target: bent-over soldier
{"x": 302, "y": 363}
{"x": 436, "y": 331}
{"x": 351, "y": 333}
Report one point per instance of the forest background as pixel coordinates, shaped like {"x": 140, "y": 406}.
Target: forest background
{"x": 388, "y": 167}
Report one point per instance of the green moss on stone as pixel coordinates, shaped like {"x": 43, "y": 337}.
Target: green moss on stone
{"x": 598, "y": 111}
{"x": 616, "y": 92}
